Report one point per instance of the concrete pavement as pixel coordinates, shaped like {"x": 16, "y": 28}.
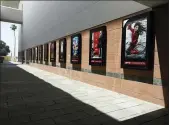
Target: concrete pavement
{"x": 31, "y": 96}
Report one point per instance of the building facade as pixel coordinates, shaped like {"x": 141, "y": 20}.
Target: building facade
{"x": 53, "y": 33}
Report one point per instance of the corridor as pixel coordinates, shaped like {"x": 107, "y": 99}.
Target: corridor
{"x": 30, "y": 96}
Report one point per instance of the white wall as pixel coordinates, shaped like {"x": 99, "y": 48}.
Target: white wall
{"x": 20, "y": 37}
{"x": 44, "y": 21}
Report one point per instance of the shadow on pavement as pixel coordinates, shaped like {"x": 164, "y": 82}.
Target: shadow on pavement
{"x": 28, "y": 100}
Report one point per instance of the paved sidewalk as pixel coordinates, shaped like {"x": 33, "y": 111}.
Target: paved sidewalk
{"x": 31, "y": 96}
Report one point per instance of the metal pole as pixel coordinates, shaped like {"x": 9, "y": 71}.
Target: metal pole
{"x": 14, "y": 43}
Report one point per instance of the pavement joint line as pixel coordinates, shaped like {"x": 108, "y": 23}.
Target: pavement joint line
{"x": 118, "y": 103}
{"x": 97, "y": 98}
{"x": 54, "y": 121}
{"x": 124, "y": 108}
{"x": 130, "y": 116}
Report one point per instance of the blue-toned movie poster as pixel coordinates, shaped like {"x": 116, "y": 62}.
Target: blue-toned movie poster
{"x": 76, "y": 49}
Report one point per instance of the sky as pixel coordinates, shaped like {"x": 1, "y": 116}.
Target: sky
{"x": 7, "y": 35}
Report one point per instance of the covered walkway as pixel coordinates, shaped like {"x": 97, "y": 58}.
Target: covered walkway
{"x": 31, "y": 96}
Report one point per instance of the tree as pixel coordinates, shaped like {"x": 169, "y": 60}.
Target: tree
{"x": 14, "y": 27}
{"x": 4, "y": 49}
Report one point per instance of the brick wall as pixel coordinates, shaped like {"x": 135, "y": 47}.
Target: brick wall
{"x": 147, "y": 85}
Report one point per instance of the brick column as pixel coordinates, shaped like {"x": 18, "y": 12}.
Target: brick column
{"x": 49, "y": 63}
{"x": 68, "y": 64}
{"x": 43, "y": 55}
{"x": 38, "y": 55}
{"x": 85, "y": 51}
{"x": 57, "y": 54}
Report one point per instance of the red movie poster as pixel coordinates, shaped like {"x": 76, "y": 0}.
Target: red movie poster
{"x": 137, "y": 42}
{"x": 98, "y": 46}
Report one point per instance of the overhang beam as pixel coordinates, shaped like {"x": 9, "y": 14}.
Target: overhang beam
{"x": 152, "y": 3}
{"x": 11, "y": 15}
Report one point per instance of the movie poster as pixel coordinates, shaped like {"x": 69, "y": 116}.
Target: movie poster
{"x": 46, "y": 52}
{"x": 33, "y": 54}
{"x": 40, "y": 51}
{"x": 30, "y": 55}
{"x": 98, "y": 43}
{"x": 136, "y": 42}
{"x": 62, "y": 50}
{"x": 53, "y": 52}
{"x": 76, "y": 49}
{"x": 27, "y": 55}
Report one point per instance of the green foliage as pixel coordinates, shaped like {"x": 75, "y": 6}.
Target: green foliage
{"x": 13, "y": 27}
{"x": 4, "y": 49}
{"x": 7, "y": 58}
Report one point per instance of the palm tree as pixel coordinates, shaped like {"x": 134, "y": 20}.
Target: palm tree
{"x": 14, "y": 27}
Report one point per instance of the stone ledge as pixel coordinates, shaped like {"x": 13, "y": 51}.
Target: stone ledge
{"x": 154, "y": 81}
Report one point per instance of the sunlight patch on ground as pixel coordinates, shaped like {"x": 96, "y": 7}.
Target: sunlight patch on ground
{"x": 118, "y": 106}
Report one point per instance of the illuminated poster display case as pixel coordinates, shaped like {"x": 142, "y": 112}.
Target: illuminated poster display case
{"x": 46, "y": 52}
{"x": 40, "y": 52}
{"x": 53, "y": 52}
{"x": 62, "y": 50}
{"x": 30, "y": 54}
{"x": 137, "y": 42}
{"x": 76, "y": 49}
{"x": 98, "y": 42}
{"x": 33, "y": 54}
